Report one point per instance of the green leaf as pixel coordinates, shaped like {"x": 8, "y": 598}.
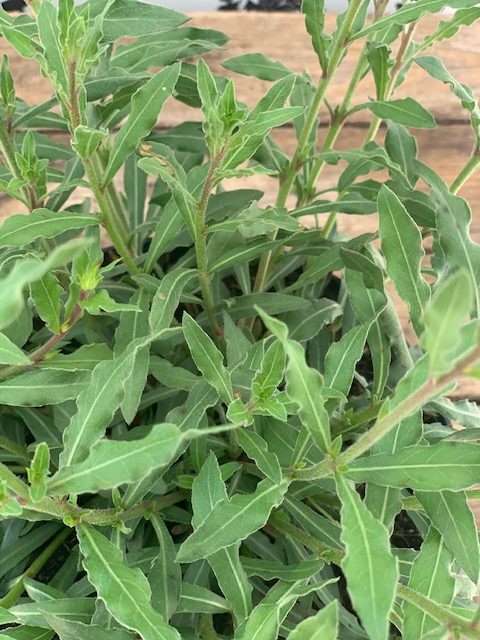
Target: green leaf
{"x": 448, "y": 28}
{"x": 124, "y": 591}
{"x": 404, "y": 111}
{"x": 40, "y": 388}
{"x": 131, "y": 18}
{"x": 322, "y": 626}
{"x": 165, "y": 575}
{"x": 34, "y": 613}
{"x": 231, "y": 521}
{"x": 451, "y": 516}
{"x": 277, "y": 570}
{"x": 257, "y": 65}
{"x": 430, "y": 575}
{"x": 208, "y": 490}
{"x": 112, "y": 463}
{"x": 11, "y": 354}
{"x": 271, "y": 371}
{"x": 443, "y": 466}
{"x": 20, "y": 230}
{"x": 402, "y": 149}
{"x": 167, "y": 297}
{"x": 379, "y": 58}
{"x": 257, "y": 449}
{"x": 197, "y": 599}
{"x": 147, "y": 103}
{"x": 437, "y": 70}
{"x": 342, "y": 358}
{"x": 445, "y": 315}
{"x": 207, "y": 358}
{"x": 46, "y": 294}
{"x": 314, "y": 11}
{"x": 53, "y": 56}
{"x": 369, "y": 566}
{"x": 71, "y": 630}
{"x": 305, "y": 386}
{"x": 402, "y": 246}
{"x": 26, "y": 271}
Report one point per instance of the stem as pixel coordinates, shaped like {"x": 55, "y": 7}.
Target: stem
{"x": 201, "y": 233}
{"x": 37, "y": 565}
{"x": 296, "y": 163}
{"x": 7, "y": 149}
{"x": 467, "y": 172}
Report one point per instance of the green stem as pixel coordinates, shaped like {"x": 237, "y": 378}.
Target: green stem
{"x": 7, "y": 149}
{"x": 467, "y": 171}
{"x": 296, "y": 163}
{"x": 37, "y": 565}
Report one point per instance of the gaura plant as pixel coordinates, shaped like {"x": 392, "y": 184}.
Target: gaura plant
{"x": 213, "y": 426}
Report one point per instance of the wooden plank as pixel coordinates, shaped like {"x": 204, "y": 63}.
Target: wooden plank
{"x": 283, "y": 37}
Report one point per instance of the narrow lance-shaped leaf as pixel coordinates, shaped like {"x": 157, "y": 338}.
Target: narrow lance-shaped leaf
{"x": 370, "y": 568}
{"x": 322, "y": 626}
{"x": 124, "y": 591}
{"x": 342, "y": 358}
{"x": 208, "y": 358}
{"x": 165, "y": 576}
{"x": 167, "y": 297}
{"x": 405, "y": 111}
{"x": 46, "y": 294}
{"x": 147, "y": 103}
{"x": 305, "y": 385}
{"x": 430, "y": 576}
{"x": 257, "y": 65}
{"x": 74, "y": 630}
{"x": 207, "y": 491}
{"x": 43, "y": 388}
{"x": 314, "y": 11}
{"x": 20, "y": 230}
{"x": 257, "y": 449}
{"x": 402, "y": 246}
{"x": 451, "y": 515}
{"x": 445, "y": 315}
{"x": 444, "y": 466}
{"x": 111, "y": 463}
{"x": 233, "y": 520}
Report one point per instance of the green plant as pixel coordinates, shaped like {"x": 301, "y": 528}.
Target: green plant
{"x": 189, "y": 406}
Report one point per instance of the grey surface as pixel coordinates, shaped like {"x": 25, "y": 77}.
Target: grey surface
{"x": 207, "y": 5}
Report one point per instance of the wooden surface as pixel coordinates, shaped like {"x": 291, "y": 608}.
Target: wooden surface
{"x": 283, "y": 37}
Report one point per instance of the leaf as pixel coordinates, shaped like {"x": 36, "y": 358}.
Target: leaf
{"x": 379, "y": 59}
{"x": 70, "y": 630}
{"x": 314, "y": 11}
{"x": 131, "y": 18}
{"x": 448, "y": 28}
{"x": 411, "y": 13}
{"x": 342, "y": 358}
{"x": 34, "y": 613}
{"x": 46, "y": 294}
{"x": 54, "y": 60}
{"x": 124, "y": 591}
{"x": 447, "y": 312}
{"x": 111, "y": 463}
{"x": 232, "y": 520}
{"x": 147, "y": 103}
{"x": 369, "y": 566}
{"x": 20, "y": 230}
{"x": 257, "y": 449}
{"x": 431, "y": 576}
{"x": 167, "y": 297}
{"x": 26, "y": 271}
{"x": 257, "y": 65}
{"x": 208, "y": 490}
{"x": 197, "y": 599}
{"x": 165, "y": 575}
{"x": 44, "y": 387}
{"x": 451, "y": 516}
{"x": 207, "y": 358}
{"x": 273, "y": 569}
{"x": 402, "y": 149}
{"x": 11, "y": 354}
{"x": 270, "y": 373}
{"x": 443, "y": 466}
{"x": 322, "y": 626}
{"x": 402, "y": 246}
{"x": 437, "y": 70}
{"x": 404, "y": 111}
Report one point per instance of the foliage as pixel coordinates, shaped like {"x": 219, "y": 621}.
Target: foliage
{"x": 213, "y": 425}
